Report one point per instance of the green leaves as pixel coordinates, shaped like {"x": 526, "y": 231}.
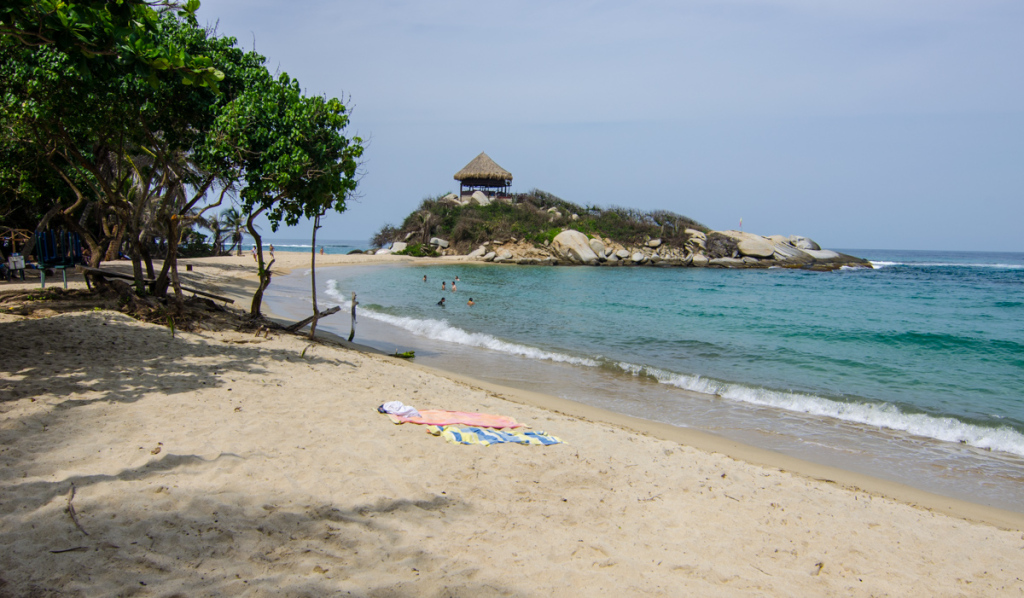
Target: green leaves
{"x": 92, "y": 31}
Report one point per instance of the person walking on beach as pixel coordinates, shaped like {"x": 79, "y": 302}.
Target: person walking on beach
{"x": 254, "y": 254}
{"x": 441, "y": 302}
{"x": 271, "y": 251}
{"x": 321, "y": 250}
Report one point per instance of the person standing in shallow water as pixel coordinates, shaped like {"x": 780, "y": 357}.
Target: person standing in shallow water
{"x": 441, "y": 302}
{"x": 453, "y": 286}
{"x": 442, "y": 286}
{"x": 424, "y": 278}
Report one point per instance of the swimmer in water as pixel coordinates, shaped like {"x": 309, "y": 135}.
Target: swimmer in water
{"x": 453, "y": 286}
{"x": 424, "y": 278}
{"x": 442, "y": 286}
{"x": 470, "y": 302}
{"x": 441, "y": 302}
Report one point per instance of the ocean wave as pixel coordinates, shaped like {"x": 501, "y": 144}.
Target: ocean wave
{"x": 878, "y": 265}
{"x": 880, "y": 415}
{"x": 441, "y": 330}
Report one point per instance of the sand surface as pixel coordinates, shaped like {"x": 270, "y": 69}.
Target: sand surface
{"x": 217, "y": 463}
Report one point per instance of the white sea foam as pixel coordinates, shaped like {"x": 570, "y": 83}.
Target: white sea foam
{"x": 443, "y": 331}
{"x": 883, "y": 264}
{"x": 881, "y": 415}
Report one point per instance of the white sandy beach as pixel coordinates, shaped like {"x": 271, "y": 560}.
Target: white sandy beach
{"x": 218, "y": 463}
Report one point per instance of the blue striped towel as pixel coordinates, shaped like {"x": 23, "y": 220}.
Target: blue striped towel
{"x": 487, "y": 437}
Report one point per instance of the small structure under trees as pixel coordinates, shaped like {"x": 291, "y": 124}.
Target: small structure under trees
{"x": 482, "y": 174}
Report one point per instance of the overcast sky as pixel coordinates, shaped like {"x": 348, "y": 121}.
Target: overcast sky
{"x": 890, "y": 124}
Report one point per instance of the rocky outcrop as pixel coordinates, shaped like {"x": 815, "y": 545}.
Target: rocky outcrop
{"x": 398, "y": 246}
{"x": 439, "y": 242}
{"x": 573, "y": 246}
{"x": 717, "y": 249}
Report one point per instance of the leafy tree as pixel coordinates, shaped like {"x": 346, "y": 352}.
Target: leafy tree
{"x": 293, "y": 159}
{"x": 92, "y": 32}
{"x": 132, "y": 151}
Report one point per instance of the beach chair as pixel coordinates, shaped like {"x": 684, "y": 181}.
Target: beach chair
{"x": 57, "y": 250}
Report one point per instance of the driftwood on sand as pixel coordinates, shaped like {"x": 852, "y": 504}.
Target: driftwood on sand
{"x": 298, "y": 325}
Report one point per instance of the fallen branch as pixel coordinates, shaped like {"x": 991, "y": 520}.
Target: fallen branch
{"x": 298, "y": 325}
{"x": 71, "y": 511}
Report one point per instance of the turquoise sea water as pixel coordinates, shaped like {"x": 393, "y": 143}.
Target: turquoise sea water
{"x": 330, "y": 246}
{"x": 911, "y": 371}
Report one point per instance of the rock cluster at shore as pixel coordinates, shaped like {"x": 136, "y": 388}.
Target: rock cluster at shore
{"x": 714, "y": 249}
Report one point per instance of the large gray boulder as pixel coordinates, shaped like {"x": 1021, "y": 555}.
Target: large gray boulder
{"x": 478, "y": 252}
{"x": 654, "y": 243}
{"x": 821, "y": 254}
{"x": 699, "y": 260}
{"x": 786, "y": 252}
{"x": 803, "y": 243}
{"x": 598, "y": 247}
{"x": 398, "y": 246}
{"x": 481, "y": 198}
{"x": 750, "y": 244}
{"x": 638, "y": 257}
{"x": 573, "y": 246}
{"x": 622, "y": 254}
{"x": 489, "y": 256}
{"x": 439, "y": 242}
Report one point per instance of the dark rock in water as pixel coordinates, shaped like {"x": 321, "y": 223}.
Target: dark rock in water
{"x": 356, "y": 252}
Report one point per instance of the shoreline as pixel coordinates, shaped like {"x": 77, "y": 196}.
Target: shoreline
{"x": 214, "y": 462}
{"x": 704, "y": 441}
{"x": 232, "y": 277}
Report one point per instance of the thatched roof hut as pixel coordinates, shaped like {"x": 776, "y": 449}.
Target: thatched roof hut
{"x": 483, "y": 172}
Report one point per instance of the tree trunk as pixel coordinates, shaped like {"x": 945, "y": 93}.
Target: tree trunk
{"x": 312, "y": 272}
{"x": 263, "y": 269}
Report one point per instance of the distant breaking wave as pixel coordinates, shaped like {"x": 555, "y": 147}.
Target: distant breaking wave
{"x": 878, "y": 265}
{"x": 881, "y": 415}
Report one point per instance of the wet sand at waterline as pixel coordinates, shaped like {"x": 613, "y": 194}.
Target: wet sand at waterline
{"x": 219, "y": 463}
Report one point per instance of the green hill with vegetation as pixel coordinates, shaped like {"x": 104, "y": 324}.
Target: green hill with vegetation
{"x": 535, "y": 216}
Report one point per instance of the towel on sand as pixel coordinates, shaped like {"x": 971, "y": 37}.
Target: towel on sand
{"x": 397, "y": 408}
{"x": 446, "y": 418}
{"x": 471, "y": 435}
